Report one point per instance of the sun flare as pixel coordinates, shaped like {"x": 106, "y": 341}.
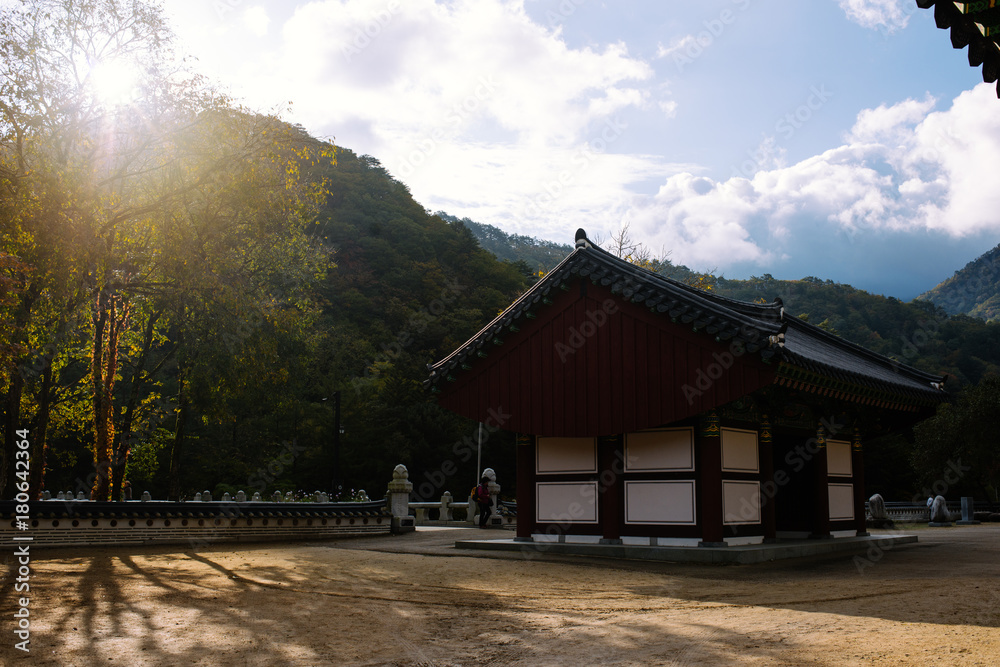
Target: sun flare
{"x": 114, "y": 82}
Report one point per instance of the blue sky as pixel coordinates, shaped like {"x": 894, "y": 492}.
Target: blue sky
{"x": 843, "y": 139}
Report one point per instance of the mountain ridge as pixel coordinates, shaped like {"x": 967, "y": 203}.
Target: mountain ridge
{"x": 974, "y": 290}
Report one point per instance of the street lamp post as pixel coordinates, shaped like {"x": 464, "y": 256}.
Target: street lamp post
{"x": 336, "y": 443}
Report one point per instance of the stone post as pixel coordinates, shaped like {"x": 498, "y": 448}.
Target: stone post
{"x": 968, "y": 512}
{"x": 445, "y": 507}
{"x": 473, "y": 514}
{"x": 398, "y": 499}
{"x": 495, "y": 518}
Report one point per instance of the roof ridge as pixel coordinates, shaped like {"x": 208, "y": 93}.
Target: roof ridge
{"x": 886, "y": 362}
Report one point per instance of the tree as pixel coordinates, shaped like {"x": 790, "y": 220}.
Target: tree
{"x": 958, "y": 445}
{"x": 125, "y": 200}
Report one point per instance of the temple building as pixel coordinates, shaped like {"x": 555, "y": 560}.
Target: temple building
{"x": 975, "y": 25}
{"x": 651, "y": 412}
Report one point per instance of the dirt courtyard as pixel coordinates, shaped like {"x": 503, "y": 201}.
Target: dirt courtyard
{"x": 416, "y": 600}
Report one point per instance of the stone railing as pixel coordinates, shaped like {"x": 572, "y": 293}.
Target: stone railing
{"x": 70, "y": 520}
{"x": 442, "y": 512}
{"x": 97, "y": 523}
{"x": 909, "y": 512}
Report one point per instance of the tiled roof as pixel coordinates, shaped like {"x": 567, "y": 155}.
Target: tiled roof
{"x": 761, "y": 329}
{"x": 975, "y": 25}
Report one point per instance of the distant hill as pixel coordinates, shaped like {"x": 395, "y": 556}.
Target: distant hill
{"x": 973, "y": 290}
{"x": 919, "y": 333}
{"x": 536, "y": 253}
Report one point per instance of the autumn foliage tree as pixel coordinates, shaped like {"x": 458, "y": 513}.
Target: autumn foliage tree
{"x": 135, "y": 194}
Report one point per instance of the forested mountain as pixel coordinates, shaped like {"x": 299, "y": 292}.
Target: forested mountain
{"x": 973, "y": 290}
{"x": 918, "y": 333}
{"x": 537, "y": 254}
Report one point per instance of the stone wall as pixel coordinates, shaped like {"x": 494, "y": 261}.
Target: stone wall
{"x": 57, "y": 523}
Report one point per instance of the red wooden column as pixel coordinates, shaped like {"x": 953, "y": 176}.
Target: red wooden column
{"x": 609, "y": 486}
{"x": 768, "y": 488}
{"x": 525, "y": 487}
{"x": 821, "y": 487}
{"x": 709, "y": 444}
{"x": 858, "y": 468}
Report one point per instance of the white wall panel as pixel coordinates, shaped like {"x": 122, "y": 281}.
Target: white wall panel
{"x": 661, "y": 450}
{"x": 739, "y": 451}
{"x": 841, "y": 501}
{"x": 670, "y": 502}
{"x": 566, "y": 502}
{"x": 838, "y": 458}
{"x": 740, "y": 503}
{"x": 561, "y": 455}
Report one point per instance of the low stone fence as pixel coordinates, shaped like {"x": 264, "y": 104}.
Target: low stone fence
{"x": 68, "y": 520}
{"x": 57, "y": 523}
{"x": 443, "y": 512}
{"x": 909, "y": 512}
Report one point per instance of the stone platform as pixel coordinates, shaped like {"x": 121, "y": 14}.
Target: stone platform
{"x": 752, "y": 553}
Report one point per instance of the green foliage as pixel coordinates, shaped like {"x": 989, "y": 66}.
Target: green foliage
{"x": 957, "y": 448}
{"x": 537, "y": 254}
{"x": 973, "y": 290}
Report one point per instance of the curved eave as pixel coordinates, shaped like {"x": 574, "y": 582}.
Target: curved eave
{"x": 973, "y": 27}
{"x": 797, "y": 372}
{"x": 723, "y": 318}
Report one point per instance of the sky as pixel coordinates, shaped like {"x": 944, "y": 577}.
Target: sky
{"x": 843, "y": 139}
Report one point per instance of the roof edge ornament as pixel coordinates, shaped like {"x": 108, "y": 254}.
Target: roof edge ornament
{"x": 581, "y": 239}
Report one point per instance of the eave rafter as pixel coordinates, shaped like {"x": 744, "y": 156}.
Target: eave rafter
{"x": 973, "y": 25}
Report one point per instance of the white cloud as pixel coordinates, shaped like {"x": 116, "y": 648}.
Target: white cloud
{"x": 669, "y": 108}
{"x": 677, "y": 46}
{"x": 886, "y": 15}
{"x": 256, "y": 20}
{"x": 890, "y": 123}
{"x": 904, "y": 168}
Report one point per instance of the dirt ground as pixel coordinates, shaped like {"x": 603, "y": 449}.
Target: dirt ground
{"x": 416, "y": 600}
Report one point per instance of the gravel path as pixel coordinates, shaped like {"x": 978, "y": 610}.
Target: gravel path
{"x": 416, "y": 600}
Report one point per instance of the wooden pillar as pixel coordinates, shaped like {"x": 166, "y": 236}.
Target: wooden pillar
{"x": 710, "y": 481}
{"x": 821, "y": 488}
{"x": 858, "y": 468}
{"x": 609, "y": 485}
{"x": 525, "y": 450}
{"x": 768, "y": 487}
